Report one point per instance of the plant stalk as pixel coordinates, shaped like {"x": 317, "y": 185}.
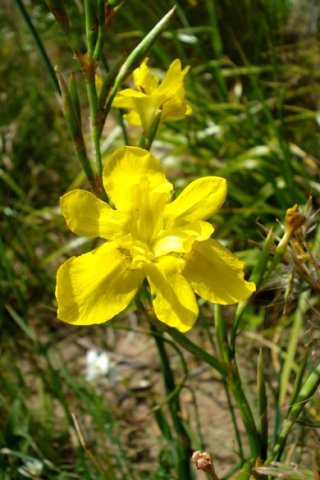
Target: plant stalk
{"x": 183, "y": 443}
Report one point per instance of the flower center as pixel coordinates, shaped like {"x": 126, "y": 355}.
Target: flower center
{"x": 140, "y": 254}
{"x": 137, "y": 252}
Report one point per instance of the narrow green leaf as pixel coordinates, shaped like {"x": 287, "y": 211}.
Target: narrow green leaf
{"x": 137, "y": 55}
{"x": 39, "y": 43}
{"x": 74, "y": 125}
{"x": 299, "y": 377}
{"x": 262, "y": 407}
{"x": 74, "y": 96}
{"x": 245, "y": 472}
{"x": 298, "y": 319}
{"x": 29, "y": 332}
{"x": 307, "y": 391}
{"x": 198, "y": 352}
{"x": 221, "y": 334}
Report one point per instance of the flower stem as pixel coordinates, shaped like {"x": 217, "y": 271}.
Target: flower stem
{"x": 231, "y": 374}
{"x": 262, "y": 407}
{"x": 148, "y": 137}
{"x": 235, "y": 386}
{"x": 105, "y": 15}
{"x": 95, "y": 133}
{"x": 307, "y": 391}
{"x": 183, "y": 444}
{"x": 89, "y": 66}
{"x": 90, "y": 26}
{"x": 224, "y": 352}
{"x": 198, "y": 352}
{"x": 234, "y": 421}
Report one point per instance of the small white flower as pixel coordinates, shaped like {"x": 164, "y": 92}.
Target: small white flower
{"x": 99, "y": 365}
{"x": 31, "y": 469}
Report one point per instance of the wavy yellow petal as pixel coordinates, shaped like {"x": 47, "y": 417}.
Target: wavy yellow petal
{"x": 146, "y": 216}
{"x": 144, "y": 79}
{"x": 175, "y": 109}
{"x": 188, "y": 110}
{"x": 96, "y": 286}
{"x": 128, "y": 167}
{"x": 171, "y": 93}
{"x": 173, "y": 78}
{"x": 216, "y": 274}
{"x": 174, "y": 301}
{"x": 125, "y": 98}
{"x": 133, "y": 118}
{"x": 199, "y": 200}
{"x": 147, "y": 108}
{"x": 88, "y": 216}
{"x": 143, "y": 106}
{"x": 181, "y": 238}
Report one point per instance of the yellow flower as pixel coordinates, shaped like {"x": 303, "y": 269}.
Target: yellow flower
{"x": 151, "y": 97}
{"x": 148, "y": 236}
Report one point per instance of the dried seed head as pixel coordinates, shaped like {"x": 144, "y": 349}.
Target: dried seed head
{"x": 204, "y": 461}
{"x": 294, "y": 219}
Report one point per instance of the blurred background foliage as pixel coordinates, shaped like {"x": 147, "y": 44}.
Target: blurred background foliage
{"x": 254, "y": 90}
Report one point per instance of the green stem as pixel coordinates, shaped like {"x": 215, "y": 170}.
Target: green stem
{"x": 223, "y": 346}
{"x": 235, "y": 386}
{"x": 148, "y": 137}
{"x": 298, "y": 319}
{"x": 299, "y": 377}
{"x": 99, "y": 44}
{"x": 262, "y": 407}
{"x": 198, "y": 352}
{"x": 307, "y": 391}
{"x": 104, "y": 12}
{"x": 73, "y": 120}
{"x": 231, "y": 373}
{"x": 221, "y": 334}
{"x": 233, "y": 382}
{"x": 183, "y": 444}
{"x": 90, "y": 26}
{"x": 39, "y": 44}
{"x": 93, "y": 107}
{"x": 123, "y": 128}
{"x": 234, "y": 420}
